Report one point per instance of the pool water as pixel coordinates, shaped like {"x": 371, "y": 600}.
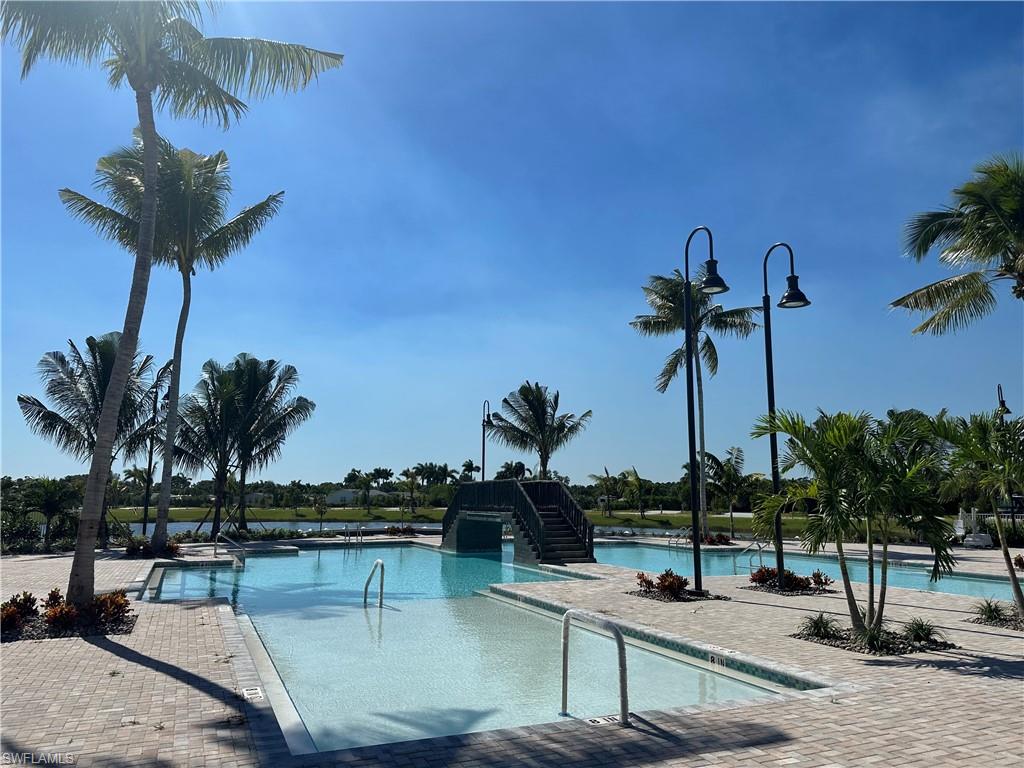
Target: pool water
{"x": 437, "y": 659}
{"x": 652, "y": 558}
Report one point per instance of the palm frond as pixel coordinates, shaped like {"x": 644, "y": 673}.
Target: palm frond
{"x": 261, "y": 67}
{"x": 954, "y": 302}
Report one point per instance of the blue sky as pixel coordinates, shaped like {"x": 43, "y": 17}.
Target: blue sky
{"x": 478, "y": 195}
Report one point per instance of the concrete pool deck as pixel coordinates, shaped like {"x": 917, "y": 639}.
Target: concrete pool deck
{"x": 170, "y": 693}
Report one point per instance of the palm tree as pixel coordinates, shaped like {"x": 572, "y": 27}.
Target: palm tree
{"x": 732, "y": 482}
{"x": 156, "y": 48}
{"x": 635, "y": 488}
{"x": 513, "y": 470}
{"x": 468, "y": 468}
{"x": 53, "y": 499}
{"x": 666, "y": 296}
{"x": 987, "y": 455}
{"x": 192, "y": 230}
{"x": 531, "y": 422}
{"x": 77, "y": 385}
{"x": 267, "y": 414}
{"x": 607, "y": 488}
{"x": 983, "y": 229}
{"x": 208, "y": 431}
{"x": 382, "y": 475}
{"x": 364, "y": 482}
{"x": 412, "y": 484}
{"x": 155, "y": 425}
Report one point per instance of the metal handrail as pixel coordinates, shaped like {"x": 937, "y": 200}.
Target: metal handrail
{"x": 760, "y": 552}
{"x": 680, "y": 536}
{"x": 358, "y": 535}
{"x": 602, "y": 623}
{"x": 380, "y": 589}
{"x": 238, "y": 546}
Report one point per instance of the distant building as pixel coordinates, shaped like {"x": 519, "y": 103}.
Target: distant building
{"x": 259, "y": 499}
{"x": 348, "y": 496}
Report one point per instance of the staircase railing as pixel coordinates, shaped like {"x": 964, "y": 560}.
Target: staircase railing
{"x": 551, "y": 493}
{"x": 498, "y": 496}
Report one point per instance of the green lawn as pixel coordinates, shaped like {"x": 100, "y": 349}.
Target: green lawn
{"x": 288, "y": 515}
{"x": 791, "y": 526}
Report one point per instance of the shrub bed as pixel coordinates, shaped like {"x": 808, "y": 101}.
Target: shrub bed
{"x": 764, "y": 579}
{"x": 108, "y": 614}
{"x": 917, "y": 635}
{"x": 992, "y": 613}
{"x": 669, "y": 587}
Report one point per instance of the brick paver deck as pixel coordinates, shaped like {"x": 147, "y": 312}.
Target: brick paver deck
{"x": 168, "y": 694}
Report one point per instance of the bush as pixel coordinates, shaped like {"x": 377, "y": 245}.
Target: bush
{"x": 766, "y": 577}
{"x": 62, "y": 617}
{"x": 54, "y": 598}
{"x": 991, "y": 611}
{"x": 821, "y": 580}
{"x": 875, "y": 639}
{"x": 113, "y": 606}
{"x": 11, "y": 619}
{"x": 1018, "y": 562}
{"x": 20, "y": 533}
{"x": 821, "y": 626}
{"x": 921, "y": 631}
{"x": 188, "y": 537}
{"x": 171, "y": 549}
{"x": 644, "y": 582}
{"x": 25, "y": 603}
{"x": 138, "y": 546}
{"x": 671, "y": 584}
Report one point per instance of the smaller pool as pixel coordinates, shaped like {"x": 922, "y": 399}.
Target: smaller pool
{"x": 654, "y": 558}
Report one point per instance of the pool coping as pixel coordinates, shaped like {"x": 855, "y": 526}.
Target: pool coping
{"x": 640, "y": 541}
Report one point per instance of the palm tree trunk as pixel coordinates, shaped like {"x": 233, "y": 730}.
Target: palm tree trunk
{"x": 82, "y": 581}
{"x": 703, "y": 462}
{"x": 46, "y": 534}
{"x": 218, "y": 504}
{"x": 149, "y": 487}
{"x": 732, "y": 524}
{"x": 870, "y": 621}
{"x": 851, "y": 601}
{"x": 171, "y": 425}
{"x": 1018, "y": 596}
{"x": 884, "y": 581}
{"x": 243, "y": 524}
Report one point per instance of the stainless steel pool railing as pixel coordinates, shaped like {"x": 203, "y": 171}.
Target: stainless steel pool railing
{"x": 679, "y": 537}
{"x": 378, "y": 563}
{"x": 357, "y": 536}
{"x": 760, "y": 550}
{"x": 239, "y": 547}
{"x": 602, "y": 623}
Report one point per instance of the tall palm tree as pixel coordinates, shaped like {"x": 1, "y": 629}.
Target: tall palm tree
{"x": 208, "y": 431}
{"x": 412, "y": 484}
{"x": 513, "y": 470}
{"x": 156, "y": 48}
{"x": 635, "y": 488}
{"x": 267, "y": 415}
{"x": 987, "y": 455}
{"x": 192, "y": 230}
{"x": 983, "y": 230}
{"x": 667, "y": 296}
{"x": 468, "y": 468}
{"x": 76, "y": 384}
{"x": 530, "y": 422}
{"x": 155, "y": 426}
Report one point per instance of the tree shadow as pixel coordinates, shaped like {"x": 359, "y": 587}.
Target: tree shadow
{"x": 958, "y": 662}
{"x": 197, "y": 682}
{"x": 60, "y": 756}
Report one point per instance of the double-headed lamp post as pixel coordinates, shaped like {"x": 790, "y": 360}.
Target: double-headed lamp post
{"x": 711, "y": 284}
{"x": 793, "y": 298}
{"x": 485, "y": 422}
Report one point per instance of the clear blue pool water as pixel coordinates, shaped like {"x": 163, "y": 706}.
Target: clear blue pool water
{"x": 438, "y": 659}
{"x": 644, "y": 557}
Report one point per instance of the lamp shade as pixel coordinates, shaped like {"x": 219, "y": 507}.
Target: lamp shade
{"x": 793, "y": 298}
{"x": 712, "y": 282}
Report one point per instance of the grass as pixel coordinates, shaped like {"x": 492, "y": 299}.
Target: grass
{"x": 791, "y": 526}
{"x": 289, "y": 515}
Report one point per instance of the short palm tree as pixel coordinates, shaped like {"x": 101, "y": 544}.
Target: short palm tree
{"x": 666, "y": 296}
{"x": 468, "y": 468}
{"x": 983, "y": 230}
{"x": 53, "y": 499}
{"x": 608, "y": 487}
{"x": 513, "y": 470}
{"x": 208, "y": 431}
{"x": 530, "y": 422}
{"x": 192, "y": 231}
{"x": 635, "y": 489}
{"x": 267, "y": 414}
{"x": 987, "y": 455}
{"x": 411, "y": 481}
{"x": 76, "y": 385}
{"x": 732, "y": 482}
{"x": 157, "y": 49}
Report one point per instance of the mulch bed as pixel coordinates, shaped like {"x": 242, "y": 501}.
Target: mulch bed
{"x": 1014, "y": 622}
{"x": 897, "y": 645}
{"x": 773, "y": 589}
{"x": 689, "y": 596}
{"x": 36, "y": 628}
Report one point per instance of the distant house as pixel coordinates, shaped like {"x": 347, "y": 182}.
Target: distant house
{"x": 259, "y": 499}
{"x": 346, "y": 496}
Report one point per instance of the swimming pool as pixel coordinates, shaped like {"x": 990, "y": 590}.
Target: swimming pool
{"x": 653, "y": 558}
{"x": 439, "y": 658}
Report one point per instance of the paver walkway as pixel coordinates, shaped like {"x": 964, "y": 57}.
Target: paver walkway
{"x": 168, "y": 694}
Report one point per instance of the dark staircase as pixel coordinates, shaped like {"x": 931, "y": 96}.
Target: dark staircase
{"x": 548, "y": 525}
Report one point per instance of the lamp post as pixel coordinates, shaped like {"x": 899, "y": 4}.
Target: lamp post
{"x": 1002, "y": 410}
{"x": 485, "y": 422}
{"x": 711, "y": 284}
{"x": 793, "y": 298}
